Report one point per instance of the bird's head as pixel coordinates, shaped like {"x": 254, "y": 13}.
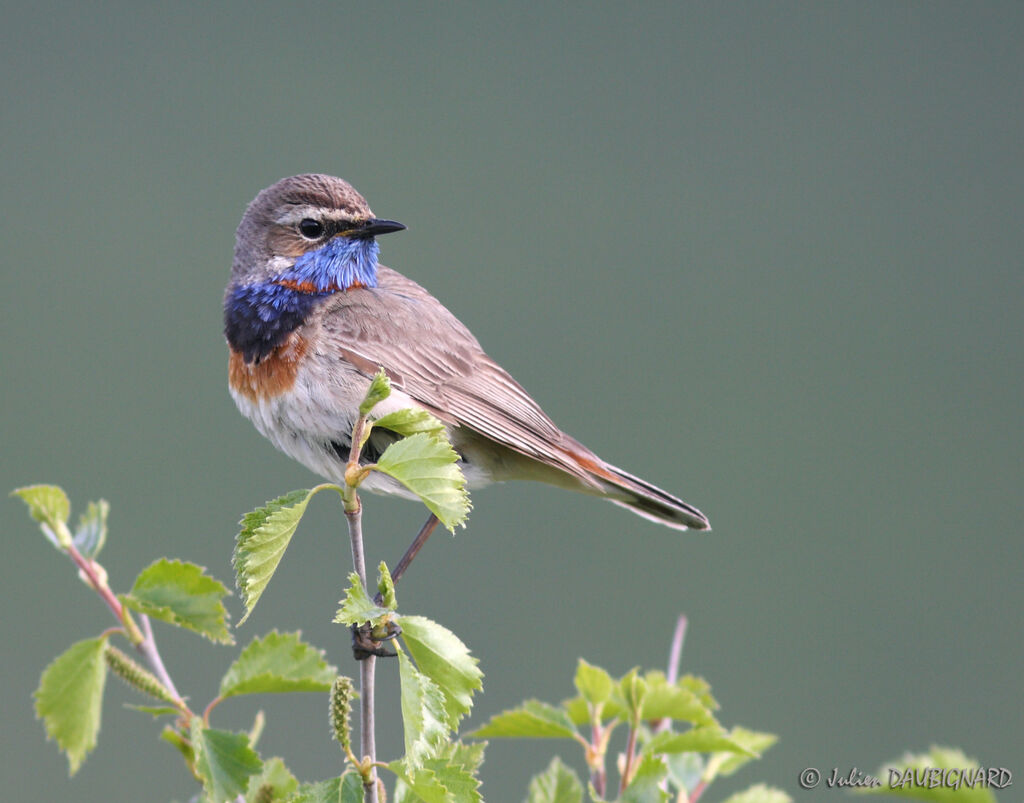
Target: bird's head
{"x": 312, "y": 231}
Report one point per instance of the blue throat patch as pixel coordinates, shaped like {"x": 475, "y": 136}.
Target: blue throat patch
{"x": 259, "y": 317}
{"x": 339, "y": 264}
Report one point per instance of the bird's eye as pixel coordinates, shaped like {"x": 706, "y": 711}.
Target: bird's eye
{"x": 311, "y": 229}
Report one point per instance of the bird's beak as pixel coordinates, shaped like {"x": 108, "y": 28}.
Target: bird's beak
{"x": 373, "y": 227}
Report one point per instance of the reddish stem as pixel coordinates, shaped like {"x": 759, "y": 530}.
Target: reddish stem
{"x": 599, "y": 776}
{"x": 89, "y": 570}
{"x": 630, "y": 756}
{"x": 142, "y": 641}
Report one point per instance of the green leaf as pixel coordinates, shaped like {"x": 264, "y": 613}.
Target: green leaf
{"x": 428, "y": 466}
{"x": 49, "y": 505}
{"x": 181, "y": 594}
{"x": 453, "y": 769}
{"x": 346, "y": 789}
{"x": 925, "y": 777}
{"x": 460, "y": 783}
{"x": 275, "y": 782}
{"x": 726, "y": 763}
{"x": 357, "y": 607}
{"x": 386, "y": 587}
{"x": 91, "y": 533}
{"x": 69, "y": 697}
{"x": 184, "y": 595}
{"x": 423, "y": 784}
{"x": 593, "y": 683}
{"x": 437, "y": 781}
{"x": 224, "y": 761}
{"x": 701, "y": 688}
{"x": 650, "y": 695}
{"x": 675, "y": 702}
{"x": 265, "y": 535}
{"x": 409, "y": 421}
{"x": 350, "y": 788}
{"x": 685, "y": 770}
{"x": 380, "y": 389}
{"x": 532, "y": 720}
{"x": 707, "y": 739}
{"x": 579, "y": 712}
{"x": 441, "y": 656}
{"x": 423, "y": 713}
{"x": 646, "y": 784}
{"x": 557, "y": 784}
{"x": 174, "y": 737}
{"x": 760, "y": 793}
{"x": 467, "y": 756}
{"x": 278, "y": 662}
{"x": 630, "y": 693}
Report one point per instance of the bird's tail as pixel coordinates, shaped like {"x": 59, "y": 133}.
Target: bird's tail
{"x": 649, "y": 501}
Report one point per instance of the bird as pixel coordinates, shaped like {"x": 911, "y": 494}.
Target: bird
{"x": 310, "y": 316}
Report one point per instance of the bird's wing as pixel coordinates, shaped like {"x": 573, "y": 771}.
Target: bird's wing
{"x": 435, "y": 359}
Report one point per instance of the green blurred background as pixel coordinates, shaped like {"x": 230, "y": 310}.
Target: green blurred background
{"x": 768, "y": 256}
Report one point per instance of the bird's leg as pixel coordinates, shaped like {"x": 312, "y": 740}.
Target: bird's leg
{"x": 365, "y": 645}
{"x": 363, "y": 642}
{"x": 411, "y": 552}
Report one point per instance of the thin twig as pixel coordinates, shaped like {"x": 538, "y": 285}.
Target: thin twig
{"x": 675, "y": 655}
{"x": 627, "y": 770}
{"x": 367, "y": 667}
{"x": 88, "y": 568}
{"x": 355, "y": 534}
{"x": 676, "y": 651}
{"x": 368, "y": 729}
{"x": 148, "y": 650}
{"x": 142, "y": 640}
{"x": 599, "y": 775}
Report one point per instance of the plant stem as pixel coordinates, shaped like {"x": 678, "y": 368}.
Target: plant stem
{"x": 148, "y": 650}
{"x": 368, "y": 666}
{"x": 355, "y": 534}
{"x": 676, "y": 650}
{"x": 675, "y": 654}
{"x": 99, "y": 584}
{"x": 367, "y": 725}
{"x": 142, "y": 640}
{"x": 599, "y": 774}
{"x": 627, "y": 770}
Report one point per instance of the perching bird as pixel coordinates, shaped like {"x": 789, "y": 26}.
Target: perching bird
{"x": 310, "y": 317}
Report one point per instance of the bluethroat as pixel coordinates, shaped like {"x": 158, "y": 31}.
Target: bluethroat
{"x": 310, "y": 316}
